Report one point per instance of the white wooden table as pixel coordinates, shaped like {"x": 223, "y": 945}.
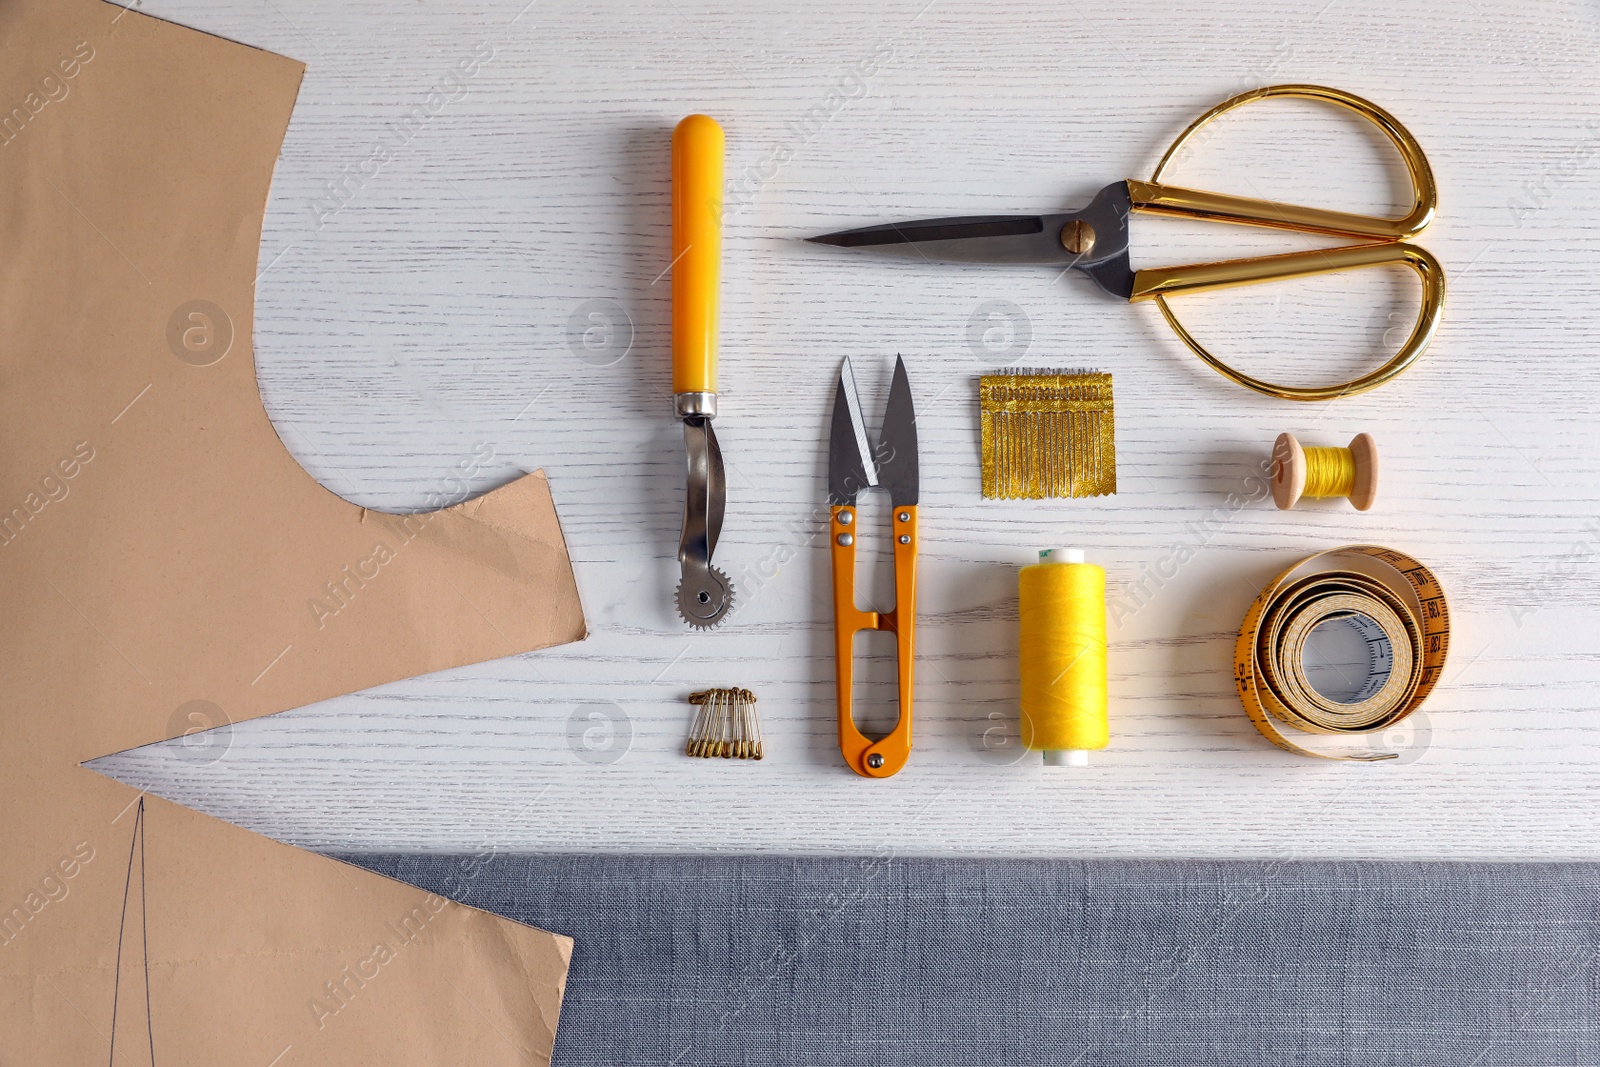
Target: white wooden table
{"x": 433, "y": 312}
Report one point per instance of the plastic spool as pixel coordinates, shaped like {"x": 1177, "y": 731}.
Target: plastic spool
{"x": 1323, "y": 472}
{"x": 1062, "y": 604}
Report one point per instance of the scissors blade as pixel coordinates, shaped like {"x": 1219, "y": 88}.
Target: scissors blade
{"x": 1099, "y": 231}
{"x": 897, "y": 445}
{"x": 850, "y": 464}
{"x": 963, "y": 239}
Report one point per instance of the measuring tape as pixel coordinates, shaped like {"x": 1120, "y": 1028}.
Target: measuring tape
{"x": 1406, "y": 627}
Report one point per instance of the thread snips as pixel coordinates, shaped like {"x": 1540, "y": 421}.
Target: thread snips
{"x": 854, "y": 464}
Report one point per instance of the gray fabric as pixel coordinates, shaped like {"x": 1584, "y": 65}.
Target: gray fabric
{"x": 763, "y": 960}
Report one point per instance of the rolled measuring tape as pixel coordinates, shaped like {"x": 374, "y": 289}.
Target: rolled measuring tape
{"x": 1404, "y": 621}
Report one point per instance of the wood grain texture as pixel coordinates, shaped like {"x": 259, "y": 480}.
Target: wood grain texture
{"x": 432, "y": 311}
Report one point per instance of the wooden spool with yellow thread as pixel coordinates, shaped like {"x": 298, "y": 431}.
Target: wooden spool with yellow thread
{"x": 1324, "y": 472}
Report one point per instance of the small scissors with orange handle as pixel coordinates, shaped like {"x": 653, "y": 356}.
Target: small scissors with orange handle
{"x": 853, "y": 465}
{"x": 1094, "y": 240}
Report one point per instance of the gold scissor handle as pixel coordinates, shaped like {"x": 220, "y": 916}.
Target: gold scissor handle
{"x": 1156, "y": 198}
{"x": 1158, "y": 283}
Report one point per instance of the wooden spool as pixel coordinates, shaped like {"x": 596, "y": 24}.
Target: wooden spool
{"x": 1289, "y": 471}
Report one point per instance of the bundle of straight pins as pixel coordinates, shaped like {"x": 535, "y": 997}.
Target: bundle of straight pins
{"x": 1047, "y": 434}
{"x": 725, "y": 725}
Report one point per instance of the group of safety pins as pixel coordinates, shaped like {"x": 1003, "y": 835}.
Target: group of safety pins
{"x": 1050, "y": 433}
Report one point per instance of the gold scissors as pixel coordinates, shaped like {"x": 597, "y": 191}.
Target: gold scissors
{"x": 1095, "y": 241}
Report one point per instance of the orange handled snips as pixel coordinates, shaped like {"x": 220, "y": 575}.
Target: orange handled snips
{"x": 853, "y": 465}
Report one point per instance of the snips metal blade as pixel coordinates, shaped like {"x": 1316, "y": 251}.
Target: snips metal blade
{"x": 854, "y": 461}
{"x": 1093, "y": 240}
{"x": 897, "y": 443}
{"x": 851, "y": 466}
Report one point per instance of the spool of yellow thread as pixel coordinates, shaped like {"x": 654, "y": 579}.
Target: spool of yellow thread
{"x": 1062, "y": 603}
{"x": 1322, "y": 472}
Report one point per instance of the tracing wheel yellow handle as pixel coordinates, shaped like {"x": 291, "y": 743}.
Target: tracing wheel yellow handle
{"x": 697, "y": 171}
{"x": 1384, "y": 248}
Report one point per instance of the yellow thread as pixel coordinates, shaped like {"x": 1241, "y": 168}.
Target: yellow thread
{"x": 1063, "y": 647}
{"x": 1047, "y": 434}
{"x": 1330, "y": 472}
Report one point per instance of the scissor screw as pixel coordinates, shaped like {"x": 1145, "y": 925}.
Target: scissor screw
{"x": 875, "y": 760}
{"x": 1077, "y": 237}
{"x": 846, "y": 540}
{"x": 905, "y": 516}
{"x": 845, "y": 517}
